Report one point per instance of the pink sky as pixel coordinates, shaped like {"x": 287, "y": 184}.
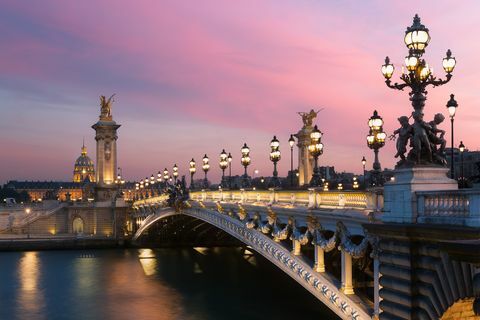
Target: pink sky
{"x": 194, "y": 77}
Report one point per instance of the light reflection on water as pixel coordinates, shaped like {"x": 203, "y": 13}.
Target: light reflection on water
{"x": 164, "y": 284}
{"x": 30, "y": 297}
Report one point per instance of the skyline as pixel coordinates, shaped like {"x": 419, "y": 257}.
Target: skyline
{"x": 217, "y": 81}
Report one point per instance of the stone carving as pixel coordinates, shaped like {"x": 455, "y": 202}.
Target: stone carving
{"x": 178, "y": 196}
{"x": 108, "y": 150}
{"x": 427, "y": 141}
{"x": 308, "y": 117}
{"x": 106, "y": 107}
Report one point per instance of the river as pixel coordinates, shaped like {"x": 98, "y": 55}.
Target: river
{"x": 164, "y": 284}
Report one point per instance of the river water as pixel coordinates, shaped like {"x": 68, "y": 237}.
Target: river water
{"x": 179, "y": 284}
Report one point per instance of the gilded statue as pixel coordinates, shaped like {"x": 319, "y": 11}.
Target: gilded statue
{"x": 106, "y": 107}
{"x": 307, "y": 117}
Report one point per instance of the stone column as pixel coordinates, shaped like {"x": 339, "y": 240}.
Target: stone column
{"x": 347, "y": 281}
{"x": 319, "y": 259}
{"x": 297, "y": 248}
{"x": 305, "y": 160}
{"x": 106, "y": 171}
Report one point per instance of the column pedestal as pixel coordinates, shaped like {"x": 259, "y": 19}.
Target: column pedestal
{"x": 319, "y": 259}
{"x": 347, "y": 281}
{"x": 400, "y": 204}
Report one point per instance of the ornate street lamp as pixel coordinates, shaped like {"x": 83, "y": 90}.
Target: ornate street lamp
{"x": 364, "y": 162}
{"x": 205, "y": 168}
{"x": 192, "y": 169}
{"x": 159, "y": 177}
{"x": 229, "y": 170}
{"x": 316, "y": 149}
{"x": 166, "y": 176}
{"x": 291, "y": 142}
{"x": 376, "y": 140}
{"x": 175, "y": 173}
{"x": 355, "y": 183}
{"x": 223, "y": 165}
{"x": 461, "y": 148}
{"x": 418, "y": 76}
{"x": 275, "y": 157}
{"x": 452, "y": 109}
{"x": 245, "y": 160}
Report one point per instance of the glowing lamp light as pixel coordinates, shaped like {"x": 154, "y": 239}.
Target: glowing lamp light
{"x": 387, "y": 69}
{"x": 449, "y": 62}
{"x": 461, "y": 147}
{"x": 452, "y": 106}
{"x": 417, "y": 36}
{"x": 291, "y": 141}
{"x": 411, "y": 62}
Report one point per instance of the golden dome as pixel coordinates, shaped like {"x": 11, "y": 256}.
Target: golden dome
{"x": 84, "y": 168}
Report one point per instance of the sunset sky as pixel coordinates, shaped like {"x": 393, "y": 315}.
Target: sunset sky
{"x": 194, "y": 77}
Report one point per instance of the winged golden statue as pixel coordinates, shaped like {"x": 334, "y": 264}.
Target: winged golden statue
{"x": 106, "y": 107}
{"x": 307, "y": 117}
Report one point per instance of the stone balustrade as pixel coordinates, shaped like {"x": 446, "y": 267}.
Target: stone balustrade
{"x": 456, "y": 207}
{"x": 311, "y": 198}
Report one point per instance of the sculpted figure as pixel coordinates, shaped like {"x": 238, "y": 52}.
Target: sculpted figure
{"x": 106, "y": 107}
{"x": 307, "y": 117}
{"x": 433, "y": 137}
{"x": 421, "y": 144}
{"x": 404, "y": 133}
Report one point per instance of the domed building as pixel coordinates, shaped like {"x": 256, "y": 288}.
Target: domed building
{"x": 84, "y": 168}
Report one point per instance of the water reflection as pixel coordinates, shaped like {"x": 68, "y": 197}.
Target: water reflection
{"x": 164, "y": 284}
{"x": 30, "y": 297}
{"x": 148, "y": 260}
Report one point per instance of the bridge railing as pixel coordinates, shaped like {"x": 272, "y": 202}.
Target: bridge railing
{"x": 311, "y": 198}
{"x": 458, "y": 207}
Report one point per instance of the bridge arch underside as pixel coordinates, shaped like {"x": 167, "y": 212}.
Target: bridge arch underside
{"x": 192, "y": 229}
{"x": 183, "y": 230}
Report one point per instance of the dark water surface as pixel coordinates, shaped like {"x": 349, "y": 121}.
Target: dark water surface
{"x": 183, "y": 284}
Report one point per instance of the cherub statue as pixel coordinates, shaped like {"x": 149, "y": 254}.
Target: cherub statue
{"x": 434, "y": 139}
{"x": 420, "y": 137}
{"x": 404, "y": 133}
{"x": 106, "y": 107}
{"x": 307, "y": 117}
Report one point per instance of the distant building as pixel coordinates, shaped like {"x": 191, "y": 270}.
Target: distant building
{"x": 84, "y": 169}
{"x": 470, "y": 158}
{"x": 79, "y": 189}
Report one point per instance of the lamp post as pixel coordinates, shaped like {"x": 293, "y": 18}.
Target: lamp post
{"x": 275, "y": 157}
{"x": 159, "y": 177}
{"x": 291, "y": 142}
{"x": 417, "y": 77}
{"x": 316, "y": 149}
{"x": 205, "y": 167}
{"x": 166, "y": 175}
{"x": 461, "y": 148}
{"x": 376, "y": 140}
{"x": 229, "y": 170}
{"x": 452, "y": 109}
{"x": 175, "y": 173}
{"x": 245, "y": 160}
{"x": 364, "y": 162}
{"x": 192, "y": 169}
{"x": 223, "y": 165}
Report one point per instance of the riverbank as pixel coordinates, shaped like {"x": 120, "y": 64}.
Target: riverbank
{"x": 38, "y": 242}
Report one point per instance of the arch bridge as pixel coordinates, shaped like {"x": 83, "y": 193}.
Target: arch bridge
{"x": 351, "y": 250}
{"x": 296, "y": 231}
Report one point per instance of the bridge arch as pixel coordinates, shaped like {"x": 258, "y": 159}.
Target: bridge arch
{"x": 320, "y": 285}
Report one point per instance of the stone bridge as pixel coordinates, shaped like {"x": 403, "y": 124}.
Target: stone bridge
{"x": 345, "y": 247}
